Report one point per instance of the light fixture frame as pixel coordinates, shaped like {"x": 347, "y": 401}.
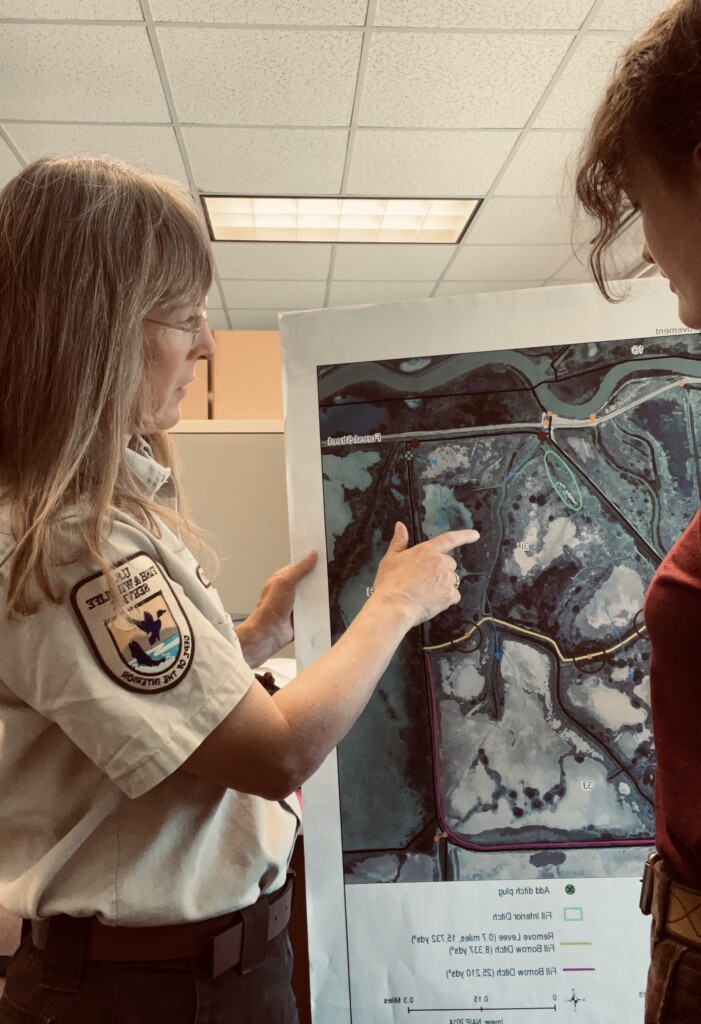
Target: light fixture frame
{"x": 204, "y": 196}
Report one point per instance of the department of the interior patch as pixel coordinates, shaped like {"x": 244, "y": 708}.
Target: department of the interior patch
{"x": 149, "y": 648}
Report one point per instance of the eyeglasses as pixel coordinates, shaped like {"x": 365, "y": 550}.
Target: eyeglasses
{"x": 194, "y": 329}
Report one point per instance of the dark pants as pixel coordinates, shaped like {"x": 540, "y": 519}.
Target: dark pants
{"x": 172, "y": 991}
{"x": 673, "y": 994}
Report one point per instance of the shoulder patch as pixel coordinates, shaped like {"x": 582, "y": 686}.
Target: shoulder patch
{"x": 148, "y": 650}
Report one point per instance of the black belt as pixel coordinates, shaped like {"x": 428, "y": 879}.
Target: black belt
{"x": 238, "y": 939}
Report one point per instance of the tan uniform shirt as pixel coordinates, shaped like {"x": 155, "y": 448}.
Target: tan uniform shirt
{"x": 96, "y": 720}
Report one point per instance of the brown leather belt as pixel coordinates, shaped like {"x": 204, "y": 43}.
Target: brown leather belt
{"x": 236, "y": 939}
{"x": 675, "y": 908}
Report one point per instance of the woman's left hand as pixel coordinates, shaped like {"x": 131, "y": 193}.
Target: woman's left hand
{"x": 269, "y": 626}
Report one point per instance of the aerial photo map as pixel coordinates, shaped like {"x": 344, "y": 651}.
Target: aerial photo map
{"x": 511, "y": 735}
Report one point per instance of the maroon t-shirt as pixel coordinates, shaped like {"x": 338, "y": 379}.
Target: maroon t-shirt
{"x": 673, "y": 619}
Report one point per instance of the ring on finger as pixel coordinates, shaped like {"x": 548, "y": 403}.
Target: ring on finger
{"x": 457, "y": 579}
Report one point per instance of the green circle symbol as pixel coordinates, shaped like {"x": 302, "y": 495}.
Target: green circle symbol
{"x": 563, "y": 480}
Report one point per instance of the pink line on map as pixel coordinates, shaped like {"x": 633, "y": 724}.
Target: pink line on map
{"x": 460, "y": 841}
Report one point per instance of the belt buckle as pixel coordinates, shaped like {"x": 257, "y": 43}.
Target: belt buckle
{"x": 648, "y": 883}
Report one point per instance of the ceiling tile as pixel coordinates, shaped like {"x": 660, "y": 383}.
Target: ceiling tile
{"x": 441, "y": 80}
{"x": 72, "y": 10}
{"x": 358, "y": 293}
{"x": 154, "y": 148}
{"x": 269, "y": 160}
{"x": 413, "y": 163}
{"x": 216, "y": 318}
{"x": 272, "y": 261}
{"x": 274, "y": 77}
{"x": 470, "y": 287}
{"x": 391, "y": 262}
{"x": 521, "y": 221}
{"x": 579, "y": 90}
{"x": 483, "y": 14}
{"x": 507, "y": 262}
{"x": 79, "y": 73}
{"x": 282, "y": 295}
{"x": 263, "y": 12}
{"x": 628, "y": 15}
{"x": 624, "y": 260}
{"x": 9, "y": 164}
{"x": 574, "y": 268}
{"x": 542, "y": 165}
{"x": 254, "y": 319}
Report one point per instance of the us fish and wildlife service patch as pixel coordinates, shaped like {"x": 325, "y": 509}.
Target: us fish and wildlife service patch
{"x": 149, "y": 647}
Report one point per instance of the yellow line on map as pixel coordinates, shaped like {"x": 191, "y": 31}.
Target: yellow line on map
{"x": 540, "y": 636}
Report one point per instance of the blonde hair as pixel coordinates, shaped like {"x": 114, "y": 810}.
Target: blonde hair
{"x": 87, "y": 247}
{"x": 651, "y": 110}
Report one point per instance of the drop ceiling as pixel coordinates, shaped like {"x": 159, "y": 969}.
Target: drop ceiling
{"x": 407, "y": 98}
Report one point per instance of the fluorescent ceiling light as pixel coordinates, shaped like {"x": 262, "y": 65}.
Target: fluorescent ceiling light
{"x": 330, "y": 219}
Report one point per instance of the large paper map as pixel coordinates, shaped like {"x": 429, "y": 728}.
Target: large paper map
{"x": 520, "y": 720}
{"x": 502, "y": 773}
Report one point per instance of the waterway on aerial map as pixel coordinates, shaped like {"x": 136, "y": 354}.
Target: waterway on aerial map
{"x": 448, "y": 370}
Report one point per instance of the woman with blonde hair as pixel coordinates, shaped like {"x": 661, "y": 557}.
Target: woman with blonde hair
{"x": 643, "y": 155}
{"x": 147, "y": 812}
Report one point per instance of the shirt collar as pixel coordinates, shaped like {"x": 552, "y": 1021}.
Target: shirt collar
{"x": 153, "y": 477}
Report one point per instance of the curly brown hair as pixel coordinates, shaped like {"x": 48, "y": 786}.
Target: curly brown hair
{"x": 651, "y": 110}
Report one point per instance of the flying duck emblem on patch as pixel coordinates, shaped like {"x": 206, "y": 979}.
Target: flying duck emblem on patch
{"x": 149, "y": 647}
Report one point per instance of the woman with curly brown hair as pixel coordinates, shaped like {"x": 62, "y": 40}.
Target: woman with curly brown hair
{"x": 643, "y": 155}
{"x": 147, "y": 782}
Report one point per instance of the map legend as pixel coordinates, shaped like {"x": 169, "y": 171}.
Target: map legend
{"x": 488, "y": 951}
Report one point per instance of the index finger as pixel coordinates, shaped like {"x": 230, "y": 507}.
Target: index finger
{"x": 453, "y": 539}
{"x": 296, "y": 571}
